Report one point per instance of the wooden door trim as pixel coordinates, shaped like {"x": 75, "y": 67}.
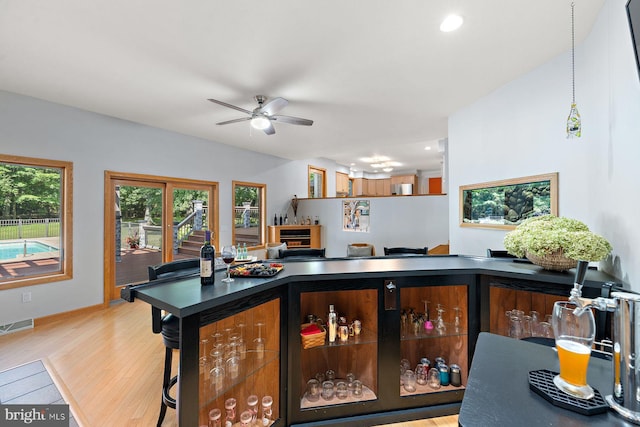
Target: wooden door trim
{"x": 111, "y": 292}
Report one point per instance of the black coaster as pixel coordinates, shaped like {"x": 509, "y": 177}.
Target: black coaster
{"x": 541, "y": 382}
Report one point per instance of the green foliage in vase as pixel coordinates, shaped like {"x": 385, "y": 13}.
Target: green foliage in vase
{"x": 547, "y": 234}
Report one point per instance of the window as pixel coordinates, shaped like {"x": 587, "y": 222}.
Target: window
{"x": 35, "y": 221}
{"x": 249, "y": 213}
{"x": 317, "y": 182}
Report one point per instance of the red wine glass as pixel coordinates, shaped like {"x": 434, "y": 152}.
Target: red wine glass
{"x": 228, "y": 256}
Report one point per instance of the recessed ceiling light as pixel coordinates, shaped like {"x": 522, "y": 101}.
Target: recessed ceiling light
{"x": 451, "y": 23}
{"x": 427, "y": 148}
{"x": 387, "y": 169}
{"x": 396, "y": 164}
{"x": 352, "y": 164}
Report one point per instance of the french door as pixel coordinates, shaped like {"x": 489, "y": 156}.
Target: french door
{"x": 150, "y": 220}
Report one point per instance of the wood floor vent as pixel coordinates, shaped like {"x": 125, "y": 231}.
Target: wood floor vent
{"x": 16, "y": 326}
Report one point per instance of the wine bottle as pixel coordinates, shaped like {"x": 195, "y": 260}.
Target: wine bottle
{"x": 280, "y": 219}
{"x": 286, "y": 219}
{"x": 275, "y": 219}
{"x": 207, "y": 254}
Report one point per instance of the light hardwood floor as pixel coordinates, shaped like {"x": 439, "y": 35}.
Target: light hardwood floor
{"x": 110, "y": 365}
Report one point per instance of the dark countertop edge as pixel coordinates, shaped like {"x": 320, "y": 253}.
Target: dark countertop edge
{"x": 333, "y": 269}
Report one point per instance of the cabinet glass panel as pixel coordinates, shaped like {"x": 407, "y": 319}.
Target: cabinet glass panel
{"x": 433, "y": 329}
{"x": 345, "y": 370}
{"x": 240, "y": 359}
{"x": 521, "y": 314}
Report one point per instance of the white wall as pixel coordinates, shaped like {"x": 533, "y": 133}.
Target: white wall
{"x": 95, "y": 143}
{"x": 519, "y": 130}
{"x": 412, "y": 221}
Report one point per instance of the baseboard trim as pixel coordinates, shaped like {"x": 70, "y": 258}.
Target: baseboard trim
{"x": 64, "y": 315}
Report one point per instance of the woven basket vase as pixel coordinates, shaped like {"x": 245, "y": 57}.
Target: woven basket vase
{"x": 555, "y": 261}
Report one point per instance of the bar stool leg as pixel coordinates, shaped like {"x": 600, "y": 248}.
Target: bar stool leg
{"x": 166, "y": 379}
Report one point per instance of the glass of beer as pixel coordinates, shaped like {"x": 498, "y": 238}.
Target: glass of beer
{"x": 574, "y": 331}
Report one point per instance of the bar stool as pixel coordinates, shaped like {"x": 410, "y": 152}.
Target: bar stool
{"x": 169, "y": 327}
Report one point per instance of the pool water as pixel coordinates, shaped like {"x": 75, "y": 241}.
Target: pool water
{"x": 12, "y": 250}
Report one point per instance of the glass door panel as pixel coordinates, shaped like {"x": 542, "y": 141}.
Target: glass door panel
{"x": 190, "y": 209}
{"x": 433, "y": 333}
{"x": 138, "y": 230}
{"x": 346, "y": 370}
{"x": 240, "y": 360}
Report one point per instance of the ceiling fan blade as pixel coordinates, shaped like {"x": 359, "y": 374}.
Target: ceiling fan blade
{"x": 224, "y": 104}
{"x": 270, "y": 130}
{"x": 244, "y": 119}
{"x": 273, "y": 106}
{"x": 293, "y": 120}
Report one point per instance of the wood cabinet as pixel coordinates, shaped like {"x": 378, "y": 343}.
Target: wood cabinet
{"x": 404, "y": 179}
{"x": 296, "y": 236}
{"x": 359, "y": 185}
{"x": 342, "y": 184}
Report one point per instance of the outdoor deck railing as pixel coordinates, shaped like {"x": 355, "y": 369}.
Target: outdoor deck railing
{"x": 11, "y": 229}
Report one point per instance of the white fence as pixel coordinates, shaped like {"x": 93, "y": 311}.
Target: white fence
{"x": 29, "y": 228}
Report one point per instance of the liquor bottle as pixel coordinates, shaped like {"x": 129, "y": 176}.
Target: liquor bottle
{"x": 275, "y": 219}
{"x": 286, "y": 219}
{"x": 207, "y": 254}
{"x": 332, "y": 323}
{"x": 280, "y": 219}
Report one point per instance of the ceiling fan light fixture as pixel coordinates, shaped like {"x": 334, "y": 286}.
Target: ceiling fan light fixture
{"x": 451, "y": 23}
{"x": 260, "y": 122}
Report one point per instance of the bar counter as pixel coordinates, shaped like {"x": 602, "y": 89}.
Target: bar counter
{"x": 198, "y": 305}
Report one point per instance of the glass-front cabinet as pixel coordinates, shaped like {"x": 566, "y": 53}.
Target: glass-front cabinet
{"x": 389, "y": 336}
{"x": 434, "y": 339}
{"x": 240, "y": 368}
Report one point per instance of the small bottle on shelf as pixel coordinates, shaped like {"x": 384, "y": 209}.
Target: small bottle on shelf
{"x": 215, "y": 418}
{"x": 286, "y": 219}
{"x": 267, "y": 410}
{"x": 275, "y": 219}
{"x": 332, "y": 323}
{"x": 280, "y": 219}
{"x": 230, "y": 408}
{"x": 252, "y": 406}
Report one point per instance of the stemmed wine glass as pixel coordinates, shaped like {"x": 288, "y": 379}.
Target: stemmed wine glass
{"x": 228, "y": 256}
{"x": 259, "y": 341}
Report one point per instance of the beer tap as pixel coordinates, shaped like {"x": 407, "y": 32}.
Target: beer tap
{"x": 582, "y": 303}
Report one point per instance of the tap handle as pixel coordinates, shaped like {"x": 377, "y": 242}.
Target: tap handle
{"x": 581, "y": 271}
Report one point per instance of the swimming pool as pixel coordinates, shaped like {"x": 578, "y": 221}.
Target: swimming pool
{"x": 13, "y": 249}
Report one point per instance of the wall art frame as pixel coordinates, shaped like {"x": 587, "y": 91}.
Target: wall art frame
{"x": 506, "y": 203}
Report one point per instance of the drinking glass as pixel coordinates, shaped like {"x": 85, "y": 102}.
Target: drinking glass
{"x": 327, "y": 390}
{"x": 409, "y": 380}
{"x": 341, "y": 390}
{"x": 574, "y": 331}
{"x": 313, "y": 390}
{"x": 228, "y": 256}
{"x": 259, "y": 341}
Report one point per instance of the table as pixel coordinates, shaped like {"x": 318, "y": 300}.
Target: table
{"x": 498, "y": 391}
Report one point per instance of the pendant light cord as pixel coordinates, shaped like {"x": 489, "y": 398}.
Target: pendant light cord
{"x": 573, "y": 57}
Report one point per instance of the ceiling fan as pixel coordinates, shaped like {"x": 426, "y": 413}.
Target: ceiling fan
{"x": 262, "y": 116}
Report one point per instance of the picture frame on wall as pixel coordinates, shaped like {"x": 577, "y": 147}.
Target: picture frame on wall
{"x": 356, "y": 215}
{"x": 506, "y": 203}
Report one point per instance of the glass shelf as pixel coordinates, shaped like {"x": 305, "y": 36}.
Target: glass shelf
{"x": 367, "y": 394}
{"x": 365, "y": 337}
{"x": 425, "y": 389}
{"x": 449, "y": 331}
{"x": 248, "y": 367}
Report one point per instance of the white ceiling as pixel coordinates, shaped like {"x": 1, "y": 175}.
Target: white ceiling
{"x": 376, "y": 76}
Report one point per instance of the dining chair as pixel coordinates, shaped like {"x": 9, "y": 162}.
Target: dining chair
{"x": 360, "y": 249}
{"x": 302, "y": 253}
{"x": 405, "y": 251}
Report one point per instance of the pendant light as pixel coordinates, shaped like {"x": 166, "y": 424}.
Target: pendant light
{"x": 574, "y": 124}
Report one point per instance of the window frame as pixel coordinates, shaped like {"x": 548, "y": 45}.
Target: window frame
{"x": 323, "y": 173}
{"x": 66, "y": 222}
{"x": 262, "y": 195}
